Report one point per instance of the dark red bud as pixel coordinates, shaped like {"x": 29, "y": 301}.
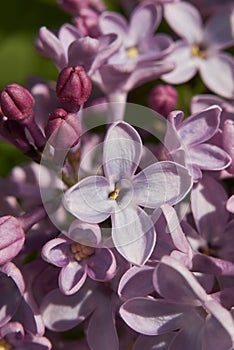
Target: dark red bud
{"x": 163, "y": 99}
{"x": 16, "y": 102}
{"x": 63, "y": 129}
{"x": 73, "y": 87}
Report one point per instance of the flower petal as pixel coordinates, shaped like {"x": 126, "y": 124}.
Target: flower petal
{"x": 158, "y": 342}
{"x": 111, "y": 22}
{"x": 121, "y": 152}
{"x": 72, "y": 277}
{"x": 201, "y": 126}
{"x": 185, "y": 20}
{"x": 152, "y": 317}
{"x": 101, "y": 265}
{"x": 209, "y": 157}
{"x": 218, "y": 32}
{"x": 210, "y": 68}
{"x": 185, "y": 64}
{"x": 88, "y": 200}
{"x": 160, "y": 183}
{"x": 54, "y": 251}
{"x": 133, "y": 234}
{"x": 208, "y": 208}
{"x": 143, "y": 23}
{"x": 85, "y": 233}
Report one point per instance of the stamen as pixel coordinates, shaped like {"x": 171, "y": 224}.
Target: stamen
{"x": 197, "y": 52}
{"x": 81, "y": 251}
{"x": 114, "y": 194}
{"x": 132, "y": 52}
{"x": 5, "y": 345}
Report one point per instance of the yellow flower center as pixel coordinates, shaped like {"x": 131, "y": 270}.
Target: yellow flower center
{"x": 132, "y": 52}
{"x": 81, "y": 251}
{"x": 114, "y": 194}
{"x": 5, "y": 345}
{"x": 197, "y": 52}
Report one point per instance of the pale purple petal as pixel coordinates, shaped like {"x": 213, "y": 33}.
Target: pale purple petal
{"x": 88, "y": 200}
{"x": 210, "y": 68}
{"x": 158, "y": 342}
{"x": 110, "y": 22}
{"x": 121, "y": 152}
{"x": 85, "y": 233}
{"x": 209, "y": 157}
{"x": 101, "y": 266}
{"x": 201, "y": 102}
{"x": 49, "y": 45}
{"x": 208, "y": 208}
{"x": 230, "y": 204}
{"x": 55, "y": 252}
{"x": 143, "y": 23}
{"x": 83, "y": 52}
{"x": 218, "y": 31}
{"x": 201, "y": 126}
{"x": 160, "y": 183}
{"x": 136, "y": 282}
{"x": 133, "y": 234}
{"x": 152, "y": 317}
{"x": 67, "y": 34}
{"x": 72, "y": 277}
{"x": 185, "y": 64}
{"x": 180, "y": 285}
{"x": 215, "y": 335}
{"x": 185, "y": 20}
{"x": 228, "y": 141}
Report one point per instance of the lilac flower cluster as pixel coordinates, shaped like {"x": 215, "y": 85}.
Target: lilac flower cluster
{"x": 112, "y": 238}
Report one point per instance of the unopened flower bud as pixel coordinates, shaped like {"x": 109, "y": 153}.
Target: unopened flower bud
{"x": 163, "y": 99}
{"x": 73, "y": 87}
{"x": 11, "y": 238}
{"x": 16, "y": 102}
{"x": 63, "y": 129}
{"x": 87, "y": 22}
{"x": 73, "y": 6}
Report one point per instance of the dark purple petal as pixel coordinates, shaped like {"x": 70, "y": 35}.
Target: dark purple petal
{"x": 101, "y": 265}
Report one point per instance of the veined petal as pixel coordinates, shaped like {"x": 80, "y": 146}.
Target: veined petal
{"x": 201, "y": 126}
{"x": 121, "y": 152}
{"x": 210, "y": 68}
{"x": 160, "y": 183}
{"x": 88, "y": 200}
{"x": 185, "y": 20}
{"x": 209, "y": 157}
{"x": 133, "y": 234}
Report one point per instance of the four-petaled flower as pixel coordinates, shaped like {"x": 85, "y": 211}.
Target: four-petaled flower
{"x": 122, "y": 194}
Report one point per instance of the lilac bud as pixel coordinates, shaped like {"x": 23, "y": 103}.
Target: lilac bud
{"x": 16, "y": 102}
{"x": 163, "y": 99}
{"x": 73, "y": 87}
{"x": 73, "y": 6}
{"x": 63, "y": 129}
{"x": 11, "y": 238}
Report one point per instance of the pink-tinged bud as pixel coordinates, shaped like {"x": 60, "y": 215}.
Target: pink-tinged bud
{"x": 73, "y": 87}
{"x": 16, "y": 102}
{"x": 163, "y": 99}
{"x": 11, "y": 238}
{"x": 74, "y": 6}
{"x": 63, "y": 129}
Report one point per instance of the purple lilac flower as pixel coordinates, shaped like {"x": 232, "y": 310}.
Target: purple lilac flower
{"x": 121, "y": 194}
{"x": 183, "y": 300}
{"x": 200, "y": 49}
{"x": 12, "y": 336}
{"x": 193, "y": 133}
{"x": 77, "y": 257}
